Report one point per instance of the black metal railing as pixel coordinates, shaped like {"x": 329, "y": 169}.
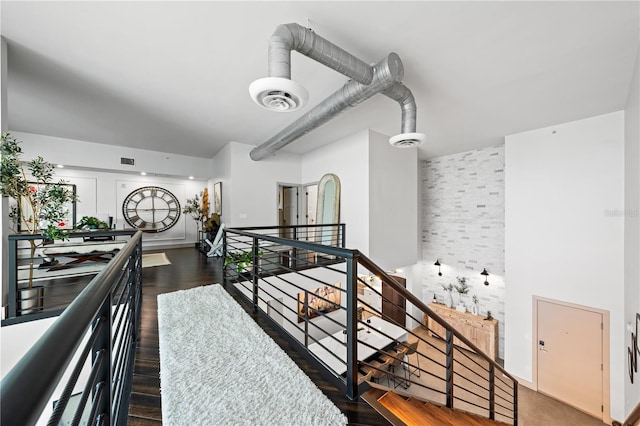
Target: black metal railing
{"x": 98, "y": 331}
{"x": 331, "y": 301}
{"x": 45, "y": 277}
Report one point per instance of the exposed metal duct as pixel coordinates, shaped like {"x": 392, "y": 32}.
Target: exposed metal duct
{"x": 288, "y": 37}
{"x": 277, "y": 92}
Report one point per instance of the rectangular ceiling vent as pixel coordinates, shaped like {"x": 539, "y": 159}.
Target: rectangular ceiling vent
{"x": 128, "y": 161}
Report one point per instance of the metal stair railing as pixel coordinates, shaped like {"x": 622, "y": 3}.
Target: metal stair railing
{"x": 98, "y": 331}
{"x": 282, "y": 276}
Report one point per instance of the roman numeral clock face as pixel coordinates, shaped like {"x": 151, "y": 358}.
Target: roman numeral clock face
{"x": 151, "y": 209}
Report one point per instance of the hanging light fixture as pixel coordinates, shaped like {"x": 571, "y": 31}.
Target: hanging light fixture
{"x": 485, "y": 274}
{"x": 438, "y": 265}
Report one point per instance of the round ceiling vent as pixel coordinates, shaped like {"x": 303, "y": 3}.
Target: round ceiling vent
{"x": 407, "y": 140}
{"x": 278, "y": 94}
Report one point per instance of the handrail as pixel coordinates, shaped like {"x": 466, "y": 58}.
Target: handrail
{"x": 267, "y": 269}
{"x": 386, "y": 278}
{"x": 26, "y": 389}
{"x": 14, "y": 315}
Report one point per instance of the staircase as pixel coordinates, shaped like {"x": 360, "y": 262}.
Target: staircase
{"x": 399, "y": 411}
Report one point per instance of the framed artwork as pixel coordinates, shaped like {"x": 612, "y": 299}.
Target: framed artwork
{"x": 319, "y": 301}
{"x": 217, "y": 198}
{"x": 69, "y": 220}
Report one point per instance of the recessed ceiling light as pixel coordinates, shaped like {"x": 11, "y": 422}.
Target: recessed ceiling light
{"x": 143, "y": 173}
{"x": 61, "y": 166}
{"x": 191, "y": 177}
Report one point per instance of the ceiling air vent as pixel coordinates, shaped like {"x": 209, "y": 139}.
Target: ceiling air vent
{"x": 127, "y": 161}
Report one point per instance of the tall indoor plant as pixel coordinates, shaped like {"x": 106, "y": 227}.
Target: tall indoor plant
{"x": 193, "y": 206}
{"x": 39, "y": 204}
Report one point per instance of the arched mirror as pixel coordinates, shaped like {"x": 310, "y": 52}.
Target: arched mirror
{"x": 328, "y": 208}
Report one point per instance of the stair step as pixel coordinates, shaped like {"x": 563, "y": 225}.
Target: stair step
{"x": 413, "y": 411}
{"x": 443, "y": 417}
{"x": 406, "y": 412}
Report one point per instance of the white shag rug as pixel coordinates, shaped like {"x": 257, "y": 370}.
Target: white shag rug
{"x": 155, "y": 259}
{"x": 217, "y": 367}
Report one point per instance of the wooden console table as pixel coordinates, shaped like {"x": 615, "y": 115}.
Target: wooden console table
{"x": 482, "y": 333}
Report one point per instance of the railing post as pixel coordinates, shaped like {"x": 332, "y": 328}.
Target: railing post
{"x": 306, "y": 319}
{"x": 293, "y": 261}
{"x": 224, "y": 257}
{"x": 103, "y": 343}
{"x": 492, "y": 393}
{"x": 449, "y": 368}
{"x": 343, "y": 228}
{"x": 352, "y": 328}
{"x": 13, "y": 277}
{"x": 254, "y": 273}
{"x": 515, "y": 403}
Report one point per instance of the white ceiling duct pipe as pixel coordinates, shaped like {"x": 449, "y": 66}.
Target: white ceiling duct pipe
{"x": 386, "y": 73}
{"x": 278, "y": 92}
{"x": 408, "y": 137}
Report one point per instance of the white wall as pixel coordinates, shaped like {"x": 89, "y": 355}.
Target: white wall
{"x": 463, "y": 228}
{"x": 252, "y": 198}
{"x": 393, "y": 203}
{"x": 379, "y": 193}
{"x": 563, "y": 238}
{"x": 221, "y": 172}
{"x": 632, "y": 222}
{"x": 100, "y": 193}
{"x": 348, "y": 158}
{"x": 107, "y": 157}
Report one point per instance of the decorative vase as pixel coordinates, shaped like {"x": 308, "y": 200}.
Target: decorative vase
{"x": 448, "y": 299}
{"x": 461, "y": 307}
{"x": 474, "y": 309}
{"x": 31, "y": 300}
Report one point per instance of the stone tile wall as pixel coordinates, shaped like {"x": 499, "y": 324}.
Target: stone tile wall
{"x": 463, "y": 227}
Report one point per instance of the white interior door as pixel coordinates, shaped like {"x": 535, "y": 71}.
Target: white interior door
{"x": 570, "y": 355}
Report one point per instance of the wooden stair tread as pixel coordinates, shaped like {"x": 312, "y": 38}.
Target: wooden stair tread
{"x": 413, "y": 411}
{"x": 406, "y": 412}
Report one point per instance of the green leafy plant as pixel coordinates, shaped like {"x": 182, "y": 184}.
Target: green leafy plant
{"x": 447, "y": 287}
{"x": 90, "y": 222}
{"x": 462, "y": 287}
{"x": 242, "y": 260}
{"x": 40, "y": 204}
{"x": 193, "y": 206}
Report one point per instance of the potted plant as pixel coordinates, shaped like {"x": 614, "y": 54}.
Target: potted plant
{"x": 90, "y": 223}
{"x": 448, "y": 300}
{"x": 193, "y": 206}
{"x": 242, "y": 261}
{"x": 462, "y": 288}
{"x": 39, "y": 204}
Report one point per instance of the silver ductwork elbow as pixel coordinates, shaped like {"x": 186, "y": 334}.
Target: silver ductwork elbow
{"x": 408, "y": 136}
{"x": 278, "y": 92}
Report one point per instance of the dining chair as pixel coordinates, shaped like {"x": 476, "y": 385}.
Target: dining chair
{"x": 412, "y": 349}
{"x": 376, "y": 371}
{"x": 394, "y": 359}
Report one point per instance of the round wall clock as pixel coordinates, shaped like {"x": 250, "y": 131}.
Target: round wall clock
{"x": 151, "y": 209}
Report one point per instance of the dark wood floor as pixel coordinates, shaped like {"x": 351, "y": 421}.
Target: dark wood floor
{"x": 190, "y": 269}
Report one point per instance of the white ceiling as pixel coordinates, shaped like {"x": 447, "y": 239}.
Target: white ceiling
{"x": 174, "y": 76}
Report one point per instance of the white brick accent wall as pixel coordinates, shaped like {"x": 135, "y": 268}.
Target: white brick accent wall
{"x": 463, "y": 227}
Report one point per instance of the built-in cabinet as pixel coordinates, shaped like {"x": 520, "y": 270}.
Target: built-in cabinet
{"x": 480, "y": 331}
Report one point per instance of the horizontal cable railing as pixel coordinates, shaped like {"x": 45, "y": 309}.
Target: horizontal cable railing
{"x": 361, "y": 324}
{"x": 44, "y": 277}
{"x": 87, "y": 354}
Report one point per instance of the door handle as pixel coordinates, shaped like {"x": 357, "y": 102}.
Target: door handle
{"x": 541, "y": 346}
